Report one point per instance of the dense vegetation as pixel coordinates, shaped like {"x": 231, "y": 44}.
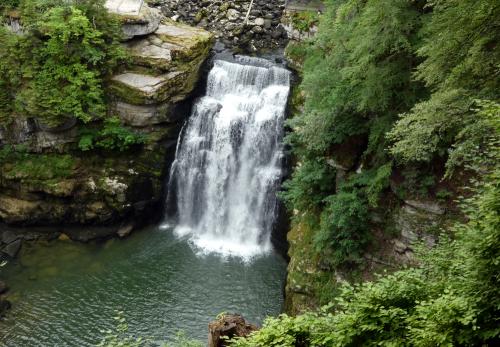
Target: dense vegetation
{"x": 392, "y": 87}
{"x": 55, "y": 69}
{"x": 452, "y": 298}
{"x": 405, "y": 87}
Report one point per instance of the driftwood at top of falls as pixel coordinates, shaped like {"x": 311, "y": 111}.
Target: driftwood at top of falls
{"x": 227, "y": 327}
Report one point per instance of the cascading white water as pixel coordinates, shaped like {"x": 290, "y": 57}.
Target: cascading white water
{"x": 228, "y": 160}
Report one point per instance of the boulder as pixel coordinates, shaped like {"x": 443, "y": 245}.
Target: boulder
{"x": 226, "y": 327}
{"x": 4, "y": 306}
{"x": 125, "y": 230}
{"x": 12, "y": 248}
{"x": 9, "y": 236}
{"x": 19, "y": 130}
{"x": 232, "y": 14}
{"x": 191, "y": 42}
{"x": 54, "y": 141}
{"x": 151, "y": 53}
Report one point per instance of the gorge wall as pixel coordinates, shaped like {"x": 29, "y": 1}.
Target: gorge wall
{"x": 93, "y": 194}
{"x": 394, "y": 227}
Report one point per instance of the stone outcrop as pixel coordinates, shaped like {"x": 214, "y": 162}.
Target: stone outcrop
{"x": 95, "y": 194}
{"x": 227, "y": 327}
{"x": 137, "y": 19}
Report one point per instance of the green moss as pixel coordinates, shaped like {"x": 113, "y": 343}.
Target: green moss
{"x": 19, "y": 165}
{"x": 131, "y": 95}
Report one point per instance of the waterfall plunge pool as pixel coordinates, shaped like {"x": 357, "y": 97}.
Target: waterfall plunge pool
{"x": 65, "y": 293}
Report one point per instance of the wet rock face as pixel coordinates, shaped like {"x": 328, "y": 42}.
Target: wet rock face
{"x": 227, "y": 327}
{"x": 262, "y": 27}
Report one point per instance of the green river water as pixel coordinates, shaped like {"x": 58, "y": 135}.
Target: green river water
{"x": 65, "y": 293}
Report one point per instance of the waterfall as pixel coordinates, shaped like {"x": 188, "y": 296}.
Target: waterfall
{"x": 228, "y": 162}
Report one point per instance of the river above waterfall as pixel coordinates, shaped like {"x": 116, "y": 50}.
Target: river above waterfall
{"x": 65, "y": 293}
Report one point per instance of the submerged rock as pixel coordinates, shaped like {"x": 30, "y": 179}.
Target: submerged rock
{"x": 3, "y": 287}
{"x": 125, "y": 230}
{"x": 12, "y": 248}
{"x": 4, "y": 306}
{"x": 227, "y": 327}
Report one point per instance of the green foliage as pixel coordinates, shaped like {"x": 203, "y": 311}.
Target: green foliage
{"x": 311, "y": 182}
{"x": 304, "y": 21}
{"x": 56, "y": 69}
{"x": 460, "y": 55}
{"x": 344, "y": 226}
{"x": 17, "y": 163}
{"x": 353, "y": 72}
{"x": 7, "y": 85}
{"x": 6, "y": 5}
{"x": 343, "y": 230}
{"x": 419, "y": 78}
{"x": 113, "y": 136}
{"x": 431, "y": 126}
{"x": 472, "y": 148}
{"x": 452, "y": 298}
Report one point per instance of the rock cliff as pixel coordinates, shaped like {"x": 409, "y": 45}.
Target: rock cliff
{"x": 53, "y": 183}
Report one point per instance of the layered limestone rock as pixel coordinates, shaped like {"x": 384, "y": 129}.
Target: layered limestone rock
{"x": 137, "y": 18}
{"x": 48, "y": 181}
{"x": 165, "y": 69}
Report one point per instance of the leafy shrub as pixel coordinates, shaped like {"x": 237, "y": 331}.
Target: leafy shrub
{"x": 303, "y": 21}
{"x": 343, "y": 229}
{"x": 57, "y": 68}
{"x": 311, "y": 182}
{"x": 22, "y": 164}
{"x": 113, "y": 136}
{"x": 459, "y": 53}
